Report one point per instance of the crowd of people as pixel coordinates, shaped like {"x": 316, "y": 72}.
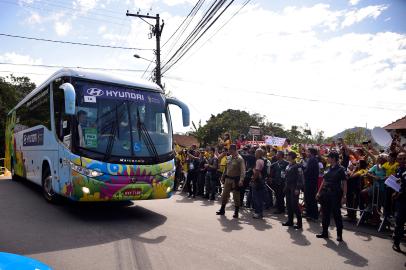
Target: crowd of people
{"x": 302, "y": 182}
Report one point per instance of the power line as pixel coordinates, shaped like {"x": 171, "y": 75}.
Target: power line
{"x": 221, "y": 27}
{"x": 190, "y": 46}
{"x": 200, "y": 2}
{"x": 53, "y": 11}
{"x": 75, "y": 43}
{"x": 176, "y": 40}
{"x": 293, "y": 97}
{"x": 57, "y": 66}
{"x": 207, "y": 16}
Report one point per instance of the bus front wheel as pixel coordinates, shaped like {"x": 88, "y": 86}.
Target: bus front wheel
{"x": 47, "y": 190}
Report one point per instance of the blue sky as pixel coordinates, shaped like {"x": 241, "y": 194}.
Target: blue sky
{"x": 330, "y": 64}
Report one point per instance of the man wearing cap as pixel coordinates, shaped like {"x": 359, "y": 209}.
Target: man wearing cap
{"x": 232, "y": 178}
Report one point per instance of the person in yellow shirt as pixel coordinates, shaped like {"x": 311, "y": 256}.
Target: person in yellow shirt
{"x": 225, "y": 141}
{"x": 222, "y": 159}
{"x": 391, "y": 166}
{"x": 354, "y": 187}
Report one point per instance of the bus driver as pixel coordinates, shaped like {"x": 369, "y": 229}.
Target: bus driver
{"x": 82, "y": 122}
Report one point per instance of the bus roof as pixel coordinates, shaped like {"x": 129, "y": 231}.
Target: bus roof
{"x": 96, "y": 76}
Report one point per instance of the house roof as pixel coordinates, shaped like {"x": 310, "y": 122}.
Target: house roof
{"x": 184, "y": 140}
{"x": 398, "y": 124}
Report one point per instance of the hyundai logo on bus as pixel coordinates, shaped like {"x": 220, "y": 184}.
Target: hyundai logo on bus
{"x": 96, "y": 92}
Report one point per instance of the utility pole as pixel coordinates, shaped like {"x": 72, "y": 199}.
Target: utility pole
{"x": 156, "y": 30}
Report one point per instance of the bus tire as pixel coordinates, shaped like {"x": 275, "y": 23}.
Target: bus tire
{"x": 47, "y": 190}
{"x": 14, "y": 176}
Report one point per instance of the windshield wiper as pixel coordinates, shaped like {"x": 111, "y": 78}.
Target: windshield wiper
{"x": 110, "y": 143}
{"x": 143, "y": 132}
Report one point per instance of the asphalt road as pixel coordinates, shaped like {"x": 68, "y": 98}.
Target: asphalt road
{"x": 179, "y": 233}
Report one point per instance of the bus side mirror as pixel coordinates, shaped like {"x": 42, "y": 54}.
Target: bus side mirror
{"x": 183, "y": 107}
{"x": 70, "y": 98}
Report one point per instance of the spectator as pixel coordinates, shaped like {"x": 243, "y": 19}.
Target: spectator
{"x": 354, "y": 182}
{"x": 373, "y": 192}
{"x": 391, "y": 166}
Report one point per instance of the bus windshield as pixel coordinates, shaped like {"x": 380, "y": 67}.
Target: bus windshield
{"x": 119, "y": 123}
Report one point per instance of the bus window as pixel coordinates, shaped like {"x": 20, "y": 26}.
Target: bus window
{"x": 35, "y": 112}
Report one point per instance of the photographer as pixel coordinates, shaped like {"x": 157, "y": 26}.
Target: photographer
{"x": 192, "y": 160}
{"x": 211, "y": 175}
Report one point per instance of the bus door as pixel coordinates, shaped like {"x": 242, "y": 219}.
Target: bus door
{"x": 64, "y": 133}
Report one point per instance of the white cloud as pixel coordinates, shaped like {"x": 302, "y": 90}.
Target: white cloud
{"x": 262, "y": 58}
{"x": 358, "y": 15}
{"x": 178, "y": 2}
{"x": 144, "y": 4}
{"x": 36, "y": 74}
{"x": 22, "y": 2}
{"x": 35, "y": 18}
{"x": 354, "y": 2}
{"x": 15, "y": 58}
{"x": 85, "y": 5}
{"x": 62, "y": 28}
{"x": 102, "y": 29}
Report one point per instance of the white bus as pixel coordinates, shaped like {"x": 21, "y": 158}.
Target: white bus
{"x": 94, "y": 137}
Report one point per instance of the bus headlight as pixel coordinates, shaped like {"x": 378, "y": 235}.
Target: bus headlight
{"x": 85, "y": 171}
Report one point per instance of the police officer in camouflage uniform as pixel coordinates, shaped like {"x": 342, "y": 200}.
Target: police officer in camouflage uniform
{"x": 233, "y": 179}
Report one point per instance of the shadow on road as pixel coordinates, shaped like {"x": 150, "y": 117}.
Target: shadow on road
{"x": 298, "y": 237}
{"x": 351, "y": 257}
{"x": 30, "y": 225}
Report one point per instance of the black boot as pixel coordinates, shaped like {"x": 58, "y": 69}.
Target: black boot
{"x": 339, "y": 235}
{"x": 236, "y": 212}
{"x": 222, "y": 210}
{"x": 288, "y": 223}
{"x": 324, "y": 234}
{"x": 298, "y": 225}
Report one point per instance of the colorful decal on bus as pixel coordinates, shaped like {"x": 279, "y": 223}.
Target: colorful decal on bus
{"x": 120, "y": 182}
{"x": 12, "y": 154}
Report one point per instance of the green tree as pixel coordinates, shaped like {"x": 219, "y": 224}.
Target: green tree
{"x": 12, "y": 90}
{"x": 356, "y": 136}
{"x": 235, "y": 122}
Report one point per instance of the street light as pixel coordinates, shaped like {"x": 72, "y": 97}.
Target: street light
{"x": 139, "y": 57}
